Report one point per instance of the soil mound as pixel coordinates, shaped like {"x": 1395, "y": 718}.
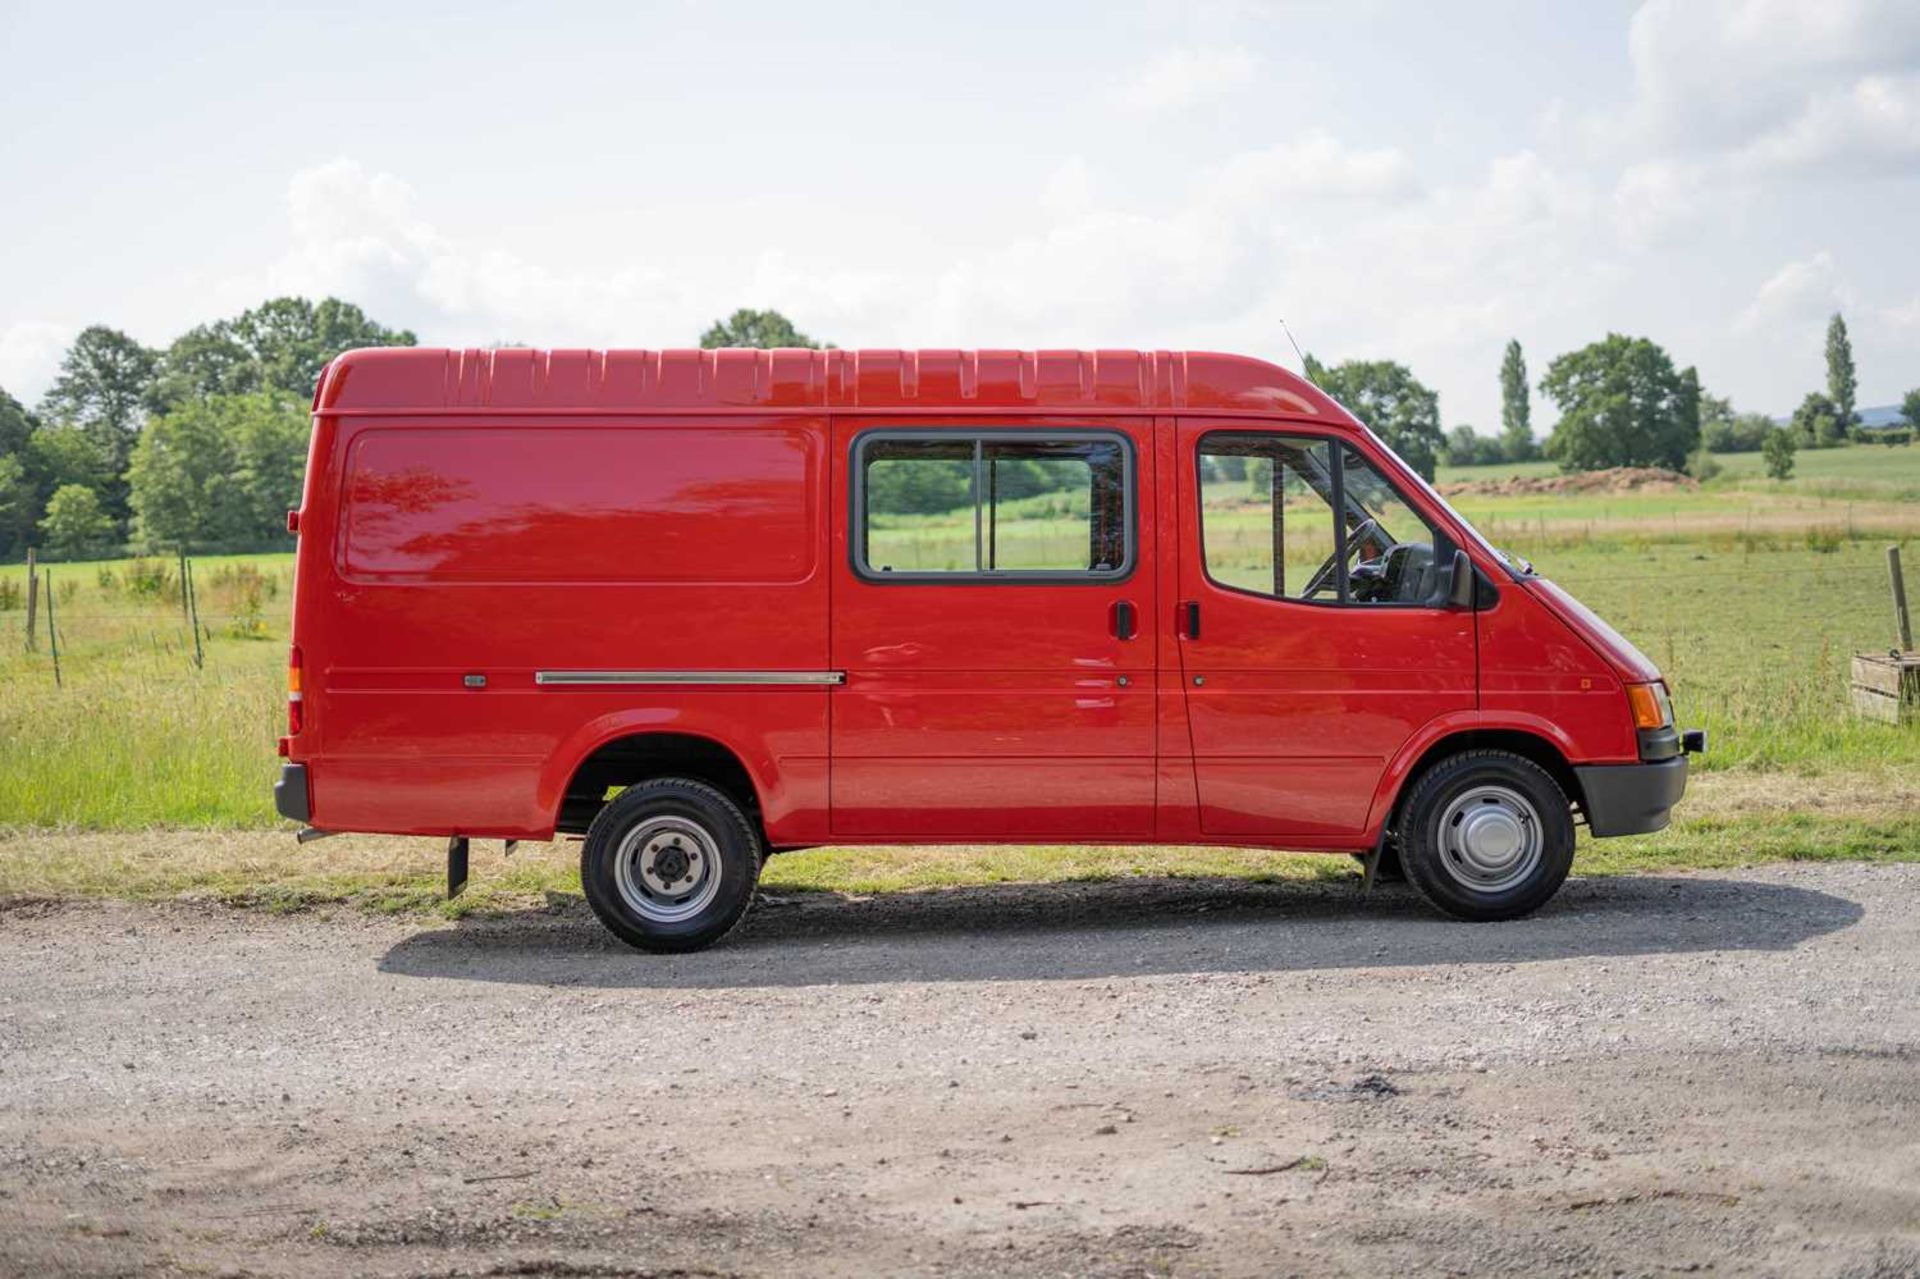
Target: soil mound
{"x": 1619, "y": 479}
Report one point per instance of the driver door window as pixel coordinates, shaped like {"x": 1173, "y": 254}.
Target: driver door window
{"x": 1268, "y": 523}
{"x": 1264, "y": 518}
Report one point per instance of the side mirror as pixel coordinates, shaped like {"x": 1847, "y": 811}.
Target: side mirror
{"x": 1461, "y": 582}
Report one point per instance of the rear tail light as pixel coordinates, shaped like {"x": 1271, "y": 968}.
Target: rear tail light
{"x": 1650, "y": 704}
{"x": 295, "y": 714}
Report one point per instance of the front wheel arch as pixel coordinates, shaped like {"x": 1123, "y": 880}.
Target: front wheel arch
{"x": 1529, "y": 746}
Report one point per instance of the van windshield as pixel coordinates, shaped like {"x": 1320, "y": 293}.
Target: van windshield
{"x": 1518, "y": 563}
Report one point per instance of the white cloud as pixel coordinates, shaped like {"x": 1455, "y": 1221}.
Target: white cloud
{"x": 30, "y": 354}
{"x": 1751, "y": 90}
{"x": 359, "y": 235}
{"x": 1717, "y": 73}
{"x": 1069, "y": 189}
{"x": 1657, "y": 198}
{"x": 1313, "y": 166}
{"x": 1181, "y": 77}
{"x": 1800, "y": 294}
{"x": 1871, "y": 127}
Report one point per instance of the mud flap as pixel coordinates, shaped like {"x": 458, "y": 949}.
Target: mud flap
{"x": 1370, "y": 864}
{"x": 456, "y": 866}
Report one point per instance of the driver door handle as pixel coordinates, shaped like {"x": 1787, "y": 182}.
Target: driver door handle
{"x": 1190, "y": 620}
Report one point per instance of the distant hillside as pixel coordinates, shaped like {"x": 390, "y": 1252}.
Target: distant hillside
{"x": 1880, "y": 415}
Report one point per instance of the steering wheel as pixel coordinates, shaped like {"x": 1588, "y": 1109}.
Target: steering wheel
{"x": 1355, "y": 538}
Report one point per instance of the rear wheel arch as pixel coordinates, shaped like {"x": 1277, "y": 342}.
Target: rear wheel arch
{"x": 627, "y": 759}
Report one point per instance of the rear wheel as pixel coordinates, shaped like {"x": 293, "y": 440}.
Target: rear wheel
{"x": 1487, "y": 835}
{"x": 670, "y": 865}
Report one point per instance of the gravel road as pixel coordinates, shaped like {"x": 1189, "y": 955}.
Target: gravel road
{"x": 1698, "y": 1073}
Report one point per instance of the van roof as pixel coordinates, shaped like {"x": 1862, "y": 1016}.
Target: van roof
{"x": 425, "y": 380}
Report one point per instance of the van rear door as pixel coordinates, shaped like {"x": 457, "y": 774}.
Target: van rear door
{"x": 1311, "y": 648}
{"x": 993, "y": 611}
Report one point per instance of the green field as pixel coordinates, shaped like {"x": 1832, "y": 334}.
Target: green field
{"x": 1751, "y": 596}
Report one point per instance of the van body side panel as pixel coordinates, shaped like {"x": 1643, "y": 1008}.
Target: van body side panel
{"x": 468, "y": 557}
{"x": 1295, "y": 708}
{"x": 1536, "y": 669}
{"x": 994, "y": 709}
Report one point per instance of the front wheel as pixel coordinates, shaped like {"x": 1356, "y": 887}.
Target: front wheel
{"x": 1487, "y": 835}
{"x": 670, "y": 865}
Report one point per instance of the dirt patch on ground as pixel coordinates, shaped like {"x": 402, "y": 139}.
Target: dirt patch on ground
{"x": 1619, "y": 479}
{"x": 1708, "y": 1072}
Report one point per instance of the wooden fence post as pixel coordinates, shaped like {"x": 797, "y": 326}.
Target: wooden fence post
{"x": 1900, "y": 618}
{"x": 33, "y": 601}
{"x": 53, "y": 635}
{"x": 193, "y": 606}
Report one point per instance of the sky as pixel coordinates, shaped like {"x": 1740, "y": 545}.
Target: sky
{"x": 1415, "y": 182}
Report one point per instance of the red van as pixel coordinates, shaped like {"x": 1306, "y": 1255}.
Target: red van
{"x": 700, "y": 607}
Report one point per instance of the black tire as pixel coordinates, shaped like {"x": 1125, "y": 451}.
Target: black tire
{"x": 1511, "y": 801}
{"x": 681, "y": 834}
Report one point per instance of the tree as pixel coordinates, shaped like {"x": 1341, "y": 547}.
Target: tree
{"x": 1466, "y": 448}
{"x": 105, "y": 379}
{"x": 1703, "y": 465}
{"x": 1516, "y": 407}
{"x": 218, "y": 472}
{"x": 18, "y": 503}
{"x": 913, "y": 486}
{"x": 1781, "y": 442}
{"x": 16, "y": 426}
{"x": 280, "y": 345}
{"x": 76, "y": 524}
{"x": 205, "y": 360}
{"x": 1841, "y": 383}
{"x": 764, "y": 329}
{"x": 1687, "y": 407}
{"x": 1724, "y": 431}
{"x": 1817, "y": 422}
{"x": 1389, "y": 399}
{"x": 1910, "y": 408}
{"x": 61, "y": 455}
{"x": 1621, "y": 404}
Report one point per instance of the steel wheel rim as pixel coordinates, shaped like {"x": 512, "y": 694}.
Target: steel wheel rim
{"x": 1490, "y": 838}
{"x": 667, "y": 869}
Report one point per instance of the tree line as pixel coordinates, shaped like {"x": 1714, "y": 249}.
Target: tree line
{"x": 1622, "y": 402}
{"x": 197, "y": 445}
{"x": 200, "y": 445}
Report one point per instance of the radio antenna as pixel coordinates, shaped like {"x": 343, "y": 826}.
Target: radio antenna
{"x": 1296, "y": 346}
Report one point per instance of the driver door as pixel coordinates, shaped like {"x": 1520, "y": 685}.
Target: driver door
{"x": 1305, "y": 672}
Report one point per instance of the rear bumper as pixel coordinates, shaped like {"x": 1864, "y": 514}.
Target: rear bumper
{"x": 1632, "y": 799}
{"x": 290, "y": 798}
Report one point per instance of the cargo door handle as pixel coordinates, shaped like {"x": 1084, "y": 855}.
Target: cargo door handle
{"x": 1125, "y": 621}
{"x": 1190, "y": 620}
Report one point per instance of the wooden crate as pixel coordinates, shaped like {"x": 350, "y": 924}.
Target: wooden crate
{"x": 1886, "y": 686}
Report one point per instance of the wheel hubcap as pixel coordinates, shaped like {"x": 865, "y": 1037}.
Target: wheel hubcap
{"x": 667, "y": 869}
{"x": 1490, "y": 838}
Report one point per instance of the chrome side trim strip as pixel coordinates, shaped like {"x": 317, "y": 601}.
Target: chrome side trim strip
{"x": 689, "y": 677}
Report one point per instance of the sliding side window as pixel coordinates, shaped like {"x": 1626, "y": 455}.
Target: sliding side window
{"x": 994, "y": 506}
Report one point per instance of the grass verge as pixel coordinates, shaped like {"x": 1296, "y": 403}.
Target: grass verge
{"x": 1730, "y": 822}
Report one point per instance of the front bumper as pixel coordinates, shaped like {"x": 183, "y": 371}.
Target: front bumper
{"x": 290, "y": 797}
{"x": 1631, "y": 799}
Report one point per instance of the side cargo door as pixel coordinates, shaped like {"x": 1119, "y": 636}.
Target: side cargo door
{"x": 1312, "y": 646}
{"x": 994, "y": 613}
